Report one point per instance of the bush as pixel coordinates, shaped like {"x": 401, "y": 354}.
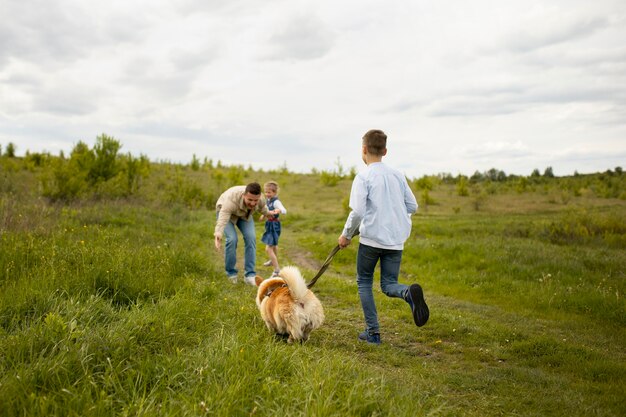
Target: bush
{"x": 461, "y": 187}
{"x": 99, "y": 171}
{"x": 104, "y": 166}
{"x": 329, "y": 179}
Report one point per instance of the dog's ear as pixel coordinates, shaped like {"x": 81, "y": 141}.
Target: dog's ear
{"x": 258, "y": 280}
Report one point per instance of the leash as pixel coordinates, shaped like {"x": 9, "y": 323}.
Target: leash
{"x": 329, "y": 258}
{"x": 324, "y": 266}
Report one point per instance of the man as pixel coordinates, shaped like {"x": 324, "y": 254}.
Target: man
{"x": 382, "y": 203}
{"x": 236, "y": 207}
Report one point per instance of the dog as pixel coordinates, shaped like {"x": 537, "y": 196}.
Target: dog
{"x": 287, "y": 306}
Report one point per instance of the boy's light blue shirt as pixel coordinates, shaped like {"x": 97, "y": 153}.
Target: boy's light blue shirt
{"x": 382, "y": 203}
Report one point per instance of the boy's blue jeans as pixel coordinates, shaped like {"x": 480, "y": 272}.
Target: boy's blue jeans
{"x": 230, "y": 250}
{"x": 367, "y": 258}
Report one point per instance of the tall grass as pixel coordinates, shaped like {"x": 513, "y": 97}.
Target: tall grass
{"x": 120, "y": 306}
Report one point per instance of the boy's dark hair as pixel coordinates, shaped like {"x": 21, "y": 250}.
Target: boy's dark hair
{"x": 376, "y": 142}
{"x": 253, "y": 188}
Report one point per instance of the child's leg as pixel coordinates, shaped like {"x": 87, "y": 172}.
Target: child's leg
{"x": 367, "y": 258}
{"x": 389, "y": 271}
{"x": 271, "y": 253}
{"x": 275, "y": 250}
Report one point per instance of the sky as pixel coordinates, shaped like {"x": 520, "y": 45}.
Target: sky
{"x": 457, "y": 86}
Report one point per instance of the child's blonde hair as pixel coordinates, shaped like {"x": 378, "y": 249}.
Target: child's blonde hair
{"x": 272, "y": 185}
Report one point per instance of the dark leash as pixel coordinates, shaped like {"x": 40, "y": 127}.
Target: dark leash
{"x": 324, "y": 266}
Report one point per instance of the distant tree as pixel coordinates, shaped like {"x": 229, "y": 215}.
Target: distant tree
{"x": 446, "y": 178}
{"x": 283, "y": 169}
{"x": 492, "y": 174}
{"x": 548, "y": 173}
{"x": 340, "y": 170}
{"x": 195, "y": 163}
{"x": 10, "y": 152}
{"x": 477, "y": 177}
{"x": 104, "y": 166}
{"x": 0, "y": 149}
{"x": 618, "y": 170}
{"x": 535, "y": 173}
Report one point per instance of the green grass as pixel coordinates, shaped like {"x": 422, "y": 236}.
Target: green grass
{"x": 120, "y": 307}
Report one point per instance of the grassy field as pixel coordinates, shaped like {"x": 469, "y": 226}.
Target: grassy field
{"x": 119, "y": 306}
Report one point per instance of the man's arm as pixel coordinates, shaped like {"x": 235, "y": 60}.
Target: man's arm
{"x": 223, "y": 218}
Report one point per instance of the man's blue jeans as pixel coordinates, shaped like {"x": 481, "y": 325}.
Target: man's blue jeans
{"x": 367, "y": 258}
{"x": 230, "y": 250}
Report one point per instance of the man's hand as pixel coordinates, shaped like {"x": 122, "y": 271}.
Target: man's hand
{"x": 218, "y": 243}
{"x": 343, "y": 241}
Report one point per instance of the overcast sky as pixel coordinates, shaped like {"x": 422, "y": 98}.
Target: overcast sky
{"x": 458, "y": 86}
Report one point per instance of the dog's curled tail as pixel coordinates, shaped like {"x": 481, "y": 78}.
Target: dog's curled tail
{"x": 295, "y": 282}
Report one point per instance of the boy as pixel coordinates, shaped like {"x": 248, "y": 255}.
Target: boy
{"x": 382, "y": 204}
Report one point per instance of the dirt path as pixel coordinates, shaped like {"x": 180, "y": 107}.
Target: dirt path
{"x": 302, "y": 258}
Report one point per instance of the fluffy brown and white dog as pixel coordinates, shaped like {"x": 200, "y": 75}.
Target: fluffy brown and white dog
{"x": 287, "y": 306}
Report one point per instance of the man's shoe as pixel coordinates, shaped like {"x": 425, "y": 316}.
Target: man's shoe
{"x": 232, "y": 278}
{"x": 373, "y": 338}
{"x": 250, "y": 280}
{"x": 267, "y": 263}
{"x": 415, "y": 298}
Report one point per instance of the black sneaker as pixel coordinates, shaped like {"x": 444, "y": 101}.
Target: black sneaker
{"x": 373, "y": 338}
{"x": 415, "y": 298}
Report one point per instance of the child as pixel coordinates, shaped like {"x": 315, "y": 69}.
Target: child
{"x": 272, "y": 224}
{"x": 382, "y": 204}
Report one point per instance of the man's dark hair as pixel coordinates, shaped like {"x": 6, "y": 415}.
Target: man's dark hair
{"x": 376, "y": 142}
{"x": 253, "y": 188}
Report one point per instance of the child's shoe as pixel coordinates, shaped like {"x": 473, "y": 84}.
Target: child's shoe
{"x": 415, "y": 297}
{"x": 267, "y": 263}
{"x": 373, "y": 338}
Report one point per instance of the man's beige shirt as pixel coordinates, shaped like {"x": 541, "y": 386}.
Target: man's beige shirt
{"x": 231, "y": 207}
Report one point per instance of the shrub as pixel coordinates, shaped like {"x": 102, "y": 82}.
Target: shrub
{"x": 104, "y": 166}
{"x": 426, "y": 200}
{"x": 581, "y": 226}
{"x": 461, "y": 186}
{"x": 66, "y": 181}
{"x": 329, "y": 179}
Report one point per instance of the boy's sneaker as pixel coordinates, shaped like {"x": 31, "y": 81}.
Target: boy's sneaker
{"x": 415, "y": 298}
{"x": 267, "y": 263}
{"x": 275, "y": 274}
{"x": 232, "y": 278}
{"x": 373, "y": 338}
{"x": 250, "y": 280}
